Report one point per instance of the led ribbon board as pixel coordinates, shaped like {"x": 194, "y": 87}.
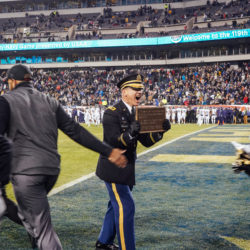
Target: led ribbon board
{"x": 201, "y": 37}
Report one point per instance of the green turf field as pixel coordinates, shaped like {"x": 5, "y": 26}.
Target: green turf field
{"x": 77, "y": 161}
{"x": 180, "y": 203}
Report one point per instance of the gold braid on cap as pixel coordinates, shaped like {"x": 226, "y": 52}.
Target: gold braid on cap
{"x": 133, "y": 83}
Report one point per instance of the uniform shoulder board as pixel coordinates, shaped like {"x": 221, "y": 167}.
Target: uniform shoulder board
{"x": 112, "y": 108}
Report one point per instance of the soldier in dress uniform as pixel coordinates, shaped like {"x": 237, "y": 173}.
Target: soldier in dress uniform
{"x": 122, "y": 130}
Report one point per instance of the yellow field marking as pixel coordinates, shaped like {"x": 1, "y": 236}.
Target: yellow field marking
{"x": 221, "y": 139}
{"x": 193, "y": 158}
{"x": 230, "y": 130}
{"x": 241, "y": 243}
{"x": 235, "y": 133}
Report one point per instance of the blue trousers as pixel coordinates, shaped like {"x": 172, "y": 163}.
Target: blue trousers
{"x": 119, "y": 218}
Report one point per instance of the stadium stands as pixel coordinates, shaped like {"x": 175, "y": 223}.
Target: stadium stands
{"x": 137, "y": 21}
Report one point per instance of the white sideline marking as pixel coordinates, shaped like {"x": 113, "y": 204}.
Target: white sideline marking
{"x": 168, "y": 142}
{"x": 71, "y": 183}
{"x": 86, "y": 177}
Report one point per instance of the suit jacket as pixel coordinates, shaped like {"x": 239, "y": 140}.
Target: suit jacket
{"x": 5, "y": 159}
{"x": 33, "y": 128}
{"x": 116, "y": 124}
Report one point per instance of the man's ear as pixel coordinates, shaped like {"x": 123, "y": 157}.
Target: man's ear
{"x": 124, "y": 92}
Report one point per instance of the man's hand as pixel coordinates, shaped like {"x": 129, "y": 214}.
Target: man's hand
{"x": 166, "y": 125}
{"x": 116, "y": 156}
{"x": 135, "y": 128}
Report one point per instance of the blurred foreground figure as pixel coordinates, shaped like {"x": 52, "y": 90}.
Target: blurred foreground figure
{"x": 242, "y": 162}
{"x": 5, "y": 156}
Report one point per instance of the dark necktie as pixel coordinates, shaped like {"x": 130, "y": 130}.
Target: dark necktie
{"x": 133, "y": 113}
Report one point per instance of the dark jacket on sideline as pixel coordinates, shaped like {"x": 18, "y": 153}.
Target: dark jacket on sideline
{"x": 5, "y": 158}
{"x": 33, "y": 127}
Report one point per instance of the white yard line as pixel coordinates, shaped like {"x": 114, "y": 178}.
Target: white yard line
{"x": 174, "y": 140}
{"x": 86, "y": 177}
{"x": 70, "y": 184}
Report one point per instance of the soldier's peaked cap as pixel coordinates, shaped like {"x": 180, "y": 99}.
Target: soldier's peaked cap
{"x": 134, "y": 81}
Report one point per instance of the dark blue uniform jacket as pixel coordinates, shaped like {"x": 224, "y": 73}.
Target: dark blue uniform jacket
{"x": 116, "y": 123}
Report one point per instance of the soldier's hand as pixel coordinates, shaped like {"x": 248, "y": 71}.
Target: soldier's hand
{"x": 116, "y": 156}
{"x": 166, "y": 125}
{"x": 135, "y": 128}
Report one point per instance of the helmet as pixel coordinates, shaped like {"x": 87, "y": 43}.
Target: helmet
{"x": 19, "y": 72}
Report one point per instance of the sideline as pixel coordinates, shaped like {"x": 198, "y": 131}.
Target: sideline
{"x": 86, "y": 177}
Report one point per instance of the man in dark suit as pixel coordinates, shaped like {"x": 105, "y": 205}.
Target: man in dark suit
{"x": 121, "y": 130}
{"x": 7, "y": 207}
{"x": 5, "y": 156}
{"x": 31, "y": 120}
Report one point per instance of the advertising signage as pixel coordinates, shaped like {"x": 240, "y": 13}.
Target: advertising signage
{"x": 201, "y": 37}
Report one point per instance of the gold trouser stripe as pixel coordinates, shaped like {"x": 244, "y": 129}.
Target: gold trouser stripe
{"x": 151, "y": 137}
{"x": 120, "y": 216}
{"x": 124, "y": 143}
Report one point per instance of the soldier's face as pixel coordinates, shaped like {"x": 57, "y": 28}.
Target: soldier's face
{"x": 132, "y": 96}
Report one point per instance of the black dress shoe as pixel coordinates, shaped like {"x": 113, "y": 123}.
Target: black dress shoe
{"x": 100, "y": 245}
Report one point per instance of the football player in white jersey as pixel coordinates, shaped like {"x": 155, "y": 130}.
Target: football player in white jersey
{"x": 173, "y": 115}
{"x": 178, "y": 110}
{"x": 199, "y": 116}
{"x": 87, "y": 117}
{"x": 97, "y": 116}
{"x": 214, "y": 115}
{"x": 183, "y": 115}
{"x": 69, "y": 111}
{"x": 207, "y": 115}
{"x": 168, "y": 114}
{"x": 202, "y": 115}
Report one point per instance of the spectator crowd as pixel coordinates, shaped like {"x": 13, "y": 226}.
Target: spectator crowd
{"x": 215, "y": 84}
